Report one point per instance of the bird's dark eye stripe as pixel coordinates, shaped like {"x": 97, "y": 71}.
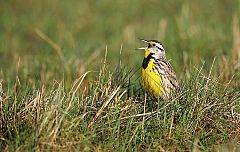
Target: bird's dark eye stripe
{"x": 149, "y": 45}
{"x": 160, "y": 48}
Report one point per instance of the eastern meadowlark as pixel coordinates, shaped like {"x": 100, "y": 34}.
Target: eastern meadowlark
{"x": 157, "y": 73}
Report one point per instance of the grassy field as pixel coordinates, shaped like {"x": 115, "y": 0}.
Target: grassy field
{"x": 70, "y": 76}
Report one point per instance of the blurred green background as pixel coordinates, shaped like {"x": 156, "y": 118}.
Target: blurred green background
{"x": 50, "y": 39}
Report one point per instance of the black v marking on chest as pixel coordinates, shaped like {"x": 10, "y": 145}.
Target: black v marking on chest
{"x": 146, "y": 60}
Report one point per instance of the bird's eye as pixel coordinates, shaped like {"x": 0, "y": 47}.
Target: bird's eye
{"x": 153, "y": 44}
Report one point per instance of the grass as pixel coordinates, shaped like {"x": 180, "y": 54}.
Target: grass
{"x": 112, "y": 115}
{"x": 69, "y": 76}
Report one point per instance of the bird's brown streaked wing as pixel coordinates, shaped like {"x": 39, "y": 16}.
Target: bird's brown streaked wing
{"x": 165, "y": 68}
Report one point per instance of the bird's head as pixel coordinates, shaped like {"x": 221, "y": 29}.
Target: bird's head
{"x": 153, "y": 46}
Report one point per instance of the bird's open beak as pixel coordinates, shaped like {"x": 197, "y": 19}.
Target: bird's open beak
{"x": 141, "y": 48}
{"x": 146, "y": 41}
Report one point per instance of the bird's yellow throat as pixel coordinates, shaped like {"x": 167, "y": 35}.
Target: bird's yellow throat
{"x": 147, "y": 52}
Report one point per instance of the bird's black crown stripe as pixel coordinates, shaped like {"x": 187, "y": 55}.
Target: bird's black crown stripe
{"x": 156, "y": 41}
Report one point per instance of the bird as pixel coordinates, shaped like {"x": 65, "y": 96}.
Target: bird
{"x": 158, "y": 76}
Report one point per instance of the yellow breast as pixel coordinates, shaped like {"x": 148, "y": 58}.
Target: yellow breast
{"x": 152, "y": 80}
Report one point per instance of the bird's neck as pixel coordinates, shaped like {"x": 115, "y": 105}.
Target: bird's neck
{"x": 149, "y": 54}
{"x": 162, "y": 57}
